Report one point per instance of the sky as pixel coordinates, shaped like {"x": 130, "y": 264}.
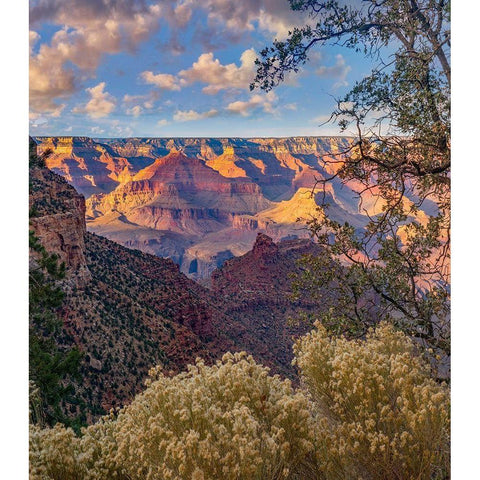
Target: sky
{"x": 120, "y": 68}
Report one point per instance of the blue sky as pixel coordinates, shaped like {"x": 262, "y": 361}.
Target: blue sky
{"x": 116, "y": 68}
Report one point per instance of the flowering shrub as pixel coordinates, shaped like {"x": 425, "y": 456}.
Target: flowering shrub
{"x": 55, "y": 454}
{"x": 370, "y": 411}
{"x": 379, "y": 415}
{"x": 231, "y": 421}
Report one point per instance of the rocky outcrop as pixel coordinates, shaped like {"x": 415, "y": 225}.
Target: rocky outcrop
{"x": 91, "y": 167}
{"x": 180, "y": 195}
{"x": 127, "y": 310}
{"x": 256, "y": 289}
{"x": 57, "y": 217}
{"x": 271, "y": 163}
{"x": 264, "y": 248}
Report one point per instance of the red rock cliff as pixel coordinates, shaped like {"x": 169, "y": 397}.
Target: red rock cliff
{"x": 58, "y": 219}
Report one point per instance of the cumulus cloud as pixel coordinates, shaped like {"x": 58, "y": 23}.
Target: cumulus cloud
{"x": 245, "y": 108}
{"x": 209, "y": 70}
{"x": 164, "y": 81}
{"x": 97, "y": 130}
{"x": 77, "y": 11}
{"x": 119, "y": 130}
{"x": 58, "y": 111}
{"x": 192, "y": 115}
{"x": 135, "y": 110}
{"x": 235, "y": 18}
{"x": 33, "y": 38}
{"x": 162, "y": 122}
{"x": 94, "y": 26}
{"x": 49, "y": 80}
{"x": 136, "y": 104}
{"x": 100, "y": 27}
{"x": 338, "y": 71}
{"x": 38, "y": 121}
{"x": 101, "y": 103}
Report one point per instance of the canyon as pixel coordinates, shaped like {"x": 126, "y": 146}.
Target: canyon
{"x": 126, "y": 310}
{"x": 201, "y": 201}
{"x": 182, "y": 248}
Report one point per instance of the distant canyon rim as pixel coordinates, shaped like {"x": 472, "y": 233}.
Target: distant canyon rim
{"x": 201, "y": 201}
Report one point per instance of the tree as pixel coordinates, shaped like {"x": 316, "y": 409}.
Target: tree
{"x": 400, "y": 112}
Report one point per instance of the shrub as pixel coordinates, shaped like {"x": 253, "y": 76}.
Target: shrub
{"x": 379, "y": 414}
{"x": 369, "y": 411}
{"x": 229, "y": 421}
{"x": 55, "y": 454}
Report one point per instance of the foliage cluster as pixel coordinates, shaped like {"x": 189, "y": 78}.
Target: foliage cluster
{"x": 380, "y": 414}
{"x": 368, "y": 409}
{"x": 49, "y": 364}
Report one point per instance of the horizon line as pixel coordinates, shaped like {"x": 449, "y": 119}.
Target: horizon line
{"x": 191, "y": 137}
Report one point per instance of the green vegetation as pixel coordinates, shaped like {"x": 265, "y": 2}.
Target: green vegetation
{"x": 369, "y": 410}
{"x": 50, "y": 366}
{"x": 398, "y": 267}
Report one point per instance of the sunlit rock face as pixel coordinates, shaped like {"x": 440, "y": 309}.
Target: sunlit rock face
{"x": 57, "y": 218}
{"x": 200, "y": 201}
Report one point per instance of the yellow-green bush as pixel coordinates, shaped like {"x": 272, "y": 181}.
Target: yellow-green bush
{"x": 231, "y": 421}
{"x": 369, "y": 411}
{"x": 379, "y": 415}
{"x": 55, "y": 453}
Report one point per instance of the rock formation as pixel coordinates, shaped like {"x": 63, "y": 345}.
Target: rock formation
{"x": 200, "y": 201}
{"x": 127, "y": 311}
{"x": 256, "y": 290}
{"x": 57, "y": 217}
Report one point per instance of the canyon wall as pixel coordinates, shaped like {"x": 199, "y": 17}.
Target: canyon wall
{"x": 200, "y": 201}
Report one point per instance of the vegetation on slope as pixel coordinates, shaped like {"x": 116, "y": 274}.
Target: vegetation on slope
{"x": 369, "y": 409}
{"x": 53, "y": 362}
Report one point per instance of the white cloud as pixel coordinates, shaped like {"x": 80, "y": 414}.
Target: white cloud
{"x": 339, "y": 71}
{"x": 91, "y": 29}
{"x": 136, "y": 104}
{"x": 33, "y": 38}
{"x": 162, "y": 122}
{"x": 58, "y": 111}
{"x": 97, "y": 130}
{"x": 38, "y": 121}
{"x": 265, "y": 102}
{"x": 192, "y": 115}
{"x": 164, "y": 81}
{"x": 218, "y": 77}
{"x": 346, "y": 106}
{"x": 210, "y": 71}
{"x": 135, "y": 111}
{"x": 48, "y": 79}
{"x": 235, "y": 17}
{"x": 118, "y": 130}
{"x": 101, "y": 103}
